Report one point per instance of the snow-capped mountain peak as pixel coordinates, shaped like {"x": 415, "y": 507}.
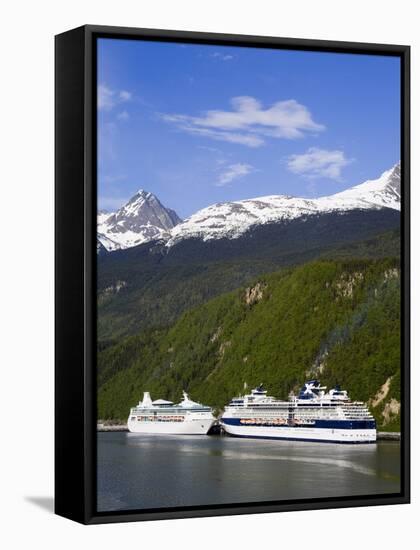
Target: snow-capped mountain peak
{"x": 143, "y": 218}
{"x": 383, "y": 192}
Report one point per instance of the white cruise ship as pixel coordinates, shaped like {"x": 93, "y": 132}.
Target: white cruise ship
{"x": 314, "y": 415}
{"x": 164, "y": 417}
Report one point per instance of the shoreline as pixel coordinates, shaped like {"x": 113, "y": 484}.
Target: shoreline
{"x": 381, "y": 436}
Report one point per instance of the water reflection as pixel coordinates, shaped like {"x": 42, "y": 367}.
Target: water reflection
{"x": 145, "y": 471}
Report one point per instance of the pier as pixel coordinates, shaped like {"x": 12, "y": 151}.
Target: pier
{"x": 389, "y": 436}
{"x": 111, "y": 428}
{"x": 216, "y": 429}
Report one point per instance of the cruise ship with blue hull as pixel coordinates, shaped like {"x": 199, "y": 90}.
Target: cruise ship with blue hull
{"x": 314, "y": 415}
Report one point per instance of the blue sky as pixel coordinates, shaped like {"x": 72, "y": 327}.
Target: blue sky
{"x": 198, "y": 124}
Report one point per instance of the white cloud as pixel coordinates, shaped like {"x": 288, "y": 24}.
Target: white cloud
{"x": 316, "y": 163}
{"x": 210, "y": 149}
{"x": 124, "y": 95}
{"x": 222, "y": 56}
{"x": 109, "y": 98}
{"x": 248, "y": 123}
{"x": 123, "y": 115}
{"x": 231, "y": 137}
{"x": 233, "y": 172}
{"x": 105, "y": 97}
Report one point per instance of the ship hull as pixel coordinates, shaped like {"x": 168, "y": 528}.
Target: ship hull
{"x": 321, "y": 435}
{"x": 197, "y": 426}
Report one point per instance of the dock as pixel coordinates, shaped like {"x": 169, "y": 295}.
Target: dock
{"x": 111, "y": 428}
{"x": 388, "y": 436}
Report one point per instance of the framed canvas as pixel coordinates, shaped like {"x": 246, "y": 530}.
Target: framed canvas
{"x": 232, "y": 274}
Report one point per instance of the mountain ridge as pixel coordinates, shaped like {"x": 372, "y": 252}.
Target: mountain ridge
{"x": 232, "y": 219}
{"x": 144, "y": 219}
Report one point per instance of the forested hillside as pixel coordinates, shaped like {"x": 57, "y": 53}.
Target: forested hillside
{"x": 338, "y": 320}
{"x": 151, "y": 285}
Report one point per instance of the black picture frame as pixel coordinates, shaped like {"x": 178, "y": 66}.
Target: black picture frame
{"x": 75, "y": 272}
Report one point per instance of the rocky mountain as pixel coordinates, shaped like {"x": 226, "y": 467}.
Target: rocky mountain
{"x": 143, "y": 218}
{"x": 232, "y": 219}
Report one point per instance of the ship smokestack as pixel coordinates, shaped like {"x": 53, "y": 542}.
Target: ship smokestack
{"x": 147, "y": 400}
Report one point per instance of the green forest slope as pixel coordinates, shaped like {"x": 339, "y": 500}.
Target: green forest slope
{"x": 337, "y": 320}
{"x": 147, "y": 287}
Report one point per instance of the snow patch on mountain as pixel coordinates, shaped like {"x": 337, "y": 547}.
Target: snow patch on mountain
{"x": 232, "y": 219}
{"x": 384, "y": 192}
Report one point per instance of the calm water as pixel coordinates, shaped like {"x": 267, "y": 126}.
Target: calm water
{"x": 143, "y": 471}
